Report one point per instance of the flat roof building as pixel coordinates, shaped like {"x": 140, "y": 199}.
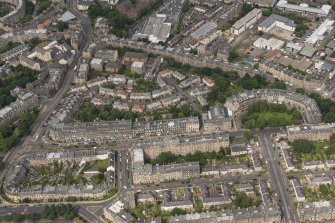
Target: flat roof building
{"x": 156, "y": 29}
{"x": 304, "y": 8}
{"x": 246, "y": 22}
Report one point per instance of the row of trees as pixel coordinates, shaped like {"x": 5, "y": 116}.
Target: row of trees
{"x": 201, "y": 157}
{"x": 10, "y": 134}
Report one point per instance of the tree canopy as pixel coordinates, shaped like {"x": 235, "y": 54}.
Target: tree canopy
{"x": 302, "y": 146}
{"x": 119, "y": 22}
{"x": 263, "y": 114}
{"x": 327, "y": 107}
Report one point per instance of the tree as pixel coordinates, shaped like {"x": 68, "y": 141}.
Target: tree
{"x": 248, "y": 135}
{"x": 193, "y": 51}
{"x": 164, "y": 158}
{"x": 242, "y": 200}
{"x": 178, "y": 211}
{"x": 61, "y": 26}
{"x": 300, "y": 90}
{"x": 302, "y": 146}
{"x": 278, "y": 85}
{"x": 266, "y": 12}
{"x": 233, "y": 55}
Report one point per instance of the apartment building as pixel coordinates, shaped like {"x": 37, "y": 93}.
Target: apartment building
{"x": 111, "y": 130}
{"x": 147, "y": 173}
{"x": 269, "y": 213}
{"x": 25, "y": 100}
{"x": 298, "y": 190}
{"x": 17, "y": 193}
{"x": 183, "y": 144}
{"x": 284, "y": 74}
{"x": 307, "y": 106}
{"x": 218, "y": 118}
{"x": 316, "y": 211}
{"x": 322, "y": 131}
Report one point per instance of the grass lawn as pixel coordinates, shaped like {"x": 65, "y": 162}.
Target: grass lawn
{"x": 100, "y": 165}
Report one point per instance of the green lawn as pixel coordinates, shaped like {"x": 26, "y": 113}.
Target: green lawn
{"x": 100, "y": 165}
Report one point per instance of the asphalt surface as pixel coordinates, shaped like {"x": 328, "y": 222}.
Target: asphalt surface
{"x": 277, "y": 177}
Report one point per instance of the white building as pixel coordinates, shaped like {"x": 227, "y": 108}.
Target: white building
{"x": 246, "y": 22}
{"x": 276, "y": 21}
{"x": 304, "y": 8}
{"x": 269, "y": 44}
{"x": 155, "y": 30}
{"x": 319, "y": 34}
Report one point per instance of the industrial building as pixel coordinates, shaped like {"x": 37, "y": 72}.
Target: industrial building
{"x": 269, "y": 44}
{"x": 246, "y": 22}
{"x": 319, "y": 33}
{"x": 304, "y": 8}
{"x": 155, "y": 30}
{"x": 276, "y": 21}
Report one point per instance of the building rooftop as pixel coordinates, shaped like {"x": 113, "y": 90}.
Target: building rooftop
{"x": 67, "y": 16}
{"x": 324, "y": 10}
{"x": 269, "y": 21}
{"x": 204, "y": 30}
{"x": 240, "y": 23}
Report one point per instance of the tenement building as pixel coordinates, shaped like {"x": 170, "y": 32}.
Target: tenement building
{"x": 25, "y": 100}
{"x": 125, "y": 129}
{"x": 147, "y": 173}
{"x": 285, "y": 74}
{"x": 307, "y": 106}
{"x": 15, "y": 190}
{"x": 218, "y": 118}
{"x": 183, "y": 144}
{"x": 322, "y": 131}
{"x": 269, "y": 213}
{"x": 316, "y": 211}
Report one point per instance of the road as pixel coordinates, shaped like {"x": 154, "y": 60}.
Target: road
{"x": 277, "y": 177}
{"x": 50, "y": 105}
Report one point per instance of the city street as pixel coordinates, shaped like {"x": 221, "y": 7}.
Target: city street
{"x": 277, "y": 177}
